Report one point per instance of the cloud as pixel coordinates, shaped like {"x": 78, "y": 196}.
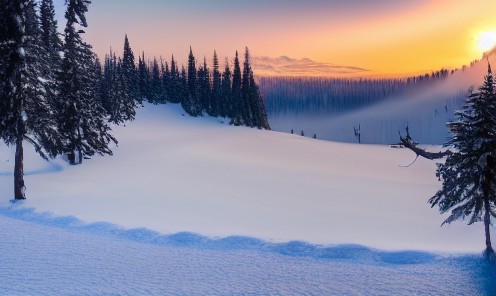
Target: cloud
{"x": 285, "y": 66}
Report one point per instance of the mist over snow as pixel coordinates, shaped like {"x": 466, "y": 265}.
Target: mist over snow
{"x": 425, "y": 110}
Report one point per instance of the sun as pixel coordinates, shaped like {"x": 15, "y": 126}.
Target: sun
{"x": 487, "y": 40}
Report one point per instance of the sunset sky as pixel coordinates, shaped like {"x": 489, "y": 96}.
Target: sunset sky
{"x": 389, "y": 36}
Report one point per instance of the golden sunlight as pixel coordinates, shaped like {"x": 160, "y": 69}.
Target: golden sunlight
{"x": 487, "y": 40}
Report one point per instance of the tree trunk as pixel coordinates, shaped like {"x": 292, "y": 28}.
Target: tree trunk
{"x": 19, "y": 188}
{"x": 489, "y": 250}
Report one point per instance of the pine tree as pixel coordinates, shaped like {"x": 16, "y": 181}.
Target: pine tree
{"x": 24, "y": 104}
{"x": 174, "y": 86}
{"x": 216, "y": 88}
{"x": 259, "y": 108}
{"x": 130, "y": 72}
{"x": 143, "y": 79}
{"x": 236, "y": 96}
{"x": 226, "y": 95}
{"x": 203, "y": 88}
{"x": 114, "y": 91}
{"x": 53, "y": 46}
{"x": 81, "y": 119}
{"x": 156, "y": 91}
{"x": 468, "y": 174}
{"x": 191, "y": 104}
{"x": 247, "y": 98}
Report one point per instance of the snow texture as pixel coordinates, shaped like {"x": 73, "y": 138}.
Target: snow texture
{"x": 192, "y": 206}
{"x": 64, "y": 256}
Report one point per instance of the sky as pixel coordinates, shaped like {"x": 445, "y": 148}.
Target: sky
{"x": 387, "y": 36}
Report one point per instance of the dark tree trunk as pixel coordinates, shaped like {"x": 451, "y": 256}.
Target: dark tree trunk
{"x": 489, "y": 249}
{"x": 19, "y": 188}
{"x": 486, "y": 189}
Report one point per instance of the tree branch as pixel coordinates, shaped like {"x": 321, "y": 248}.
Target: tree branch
{"x": 423, "y": 153}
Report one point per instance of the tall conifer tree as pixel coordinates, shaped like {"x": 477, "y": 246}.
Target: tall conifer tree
{"x": 216, "y": 87}
{"x": 469, "y": 173}
{"x": 24, "y": 106}
{"x": 81, "y": 118}
{"x": 226, "y": 96}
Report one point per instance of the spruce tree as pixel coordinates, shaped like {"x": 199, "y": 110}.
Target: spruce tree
{"x": 216, "y": 88}
{"x": 130, "y": 72}
{"x": 259, "y": 108}
{"x": 143, "y": 79}
{"x": 174, "y": 86}
{"x": 156, "y": 89}
{"x": 246, "y": 94}
{"x": 226, "y": 95}
{"x": 81, "y": 119}
{"x": 191, "y": 104}
{"x": 236, "y": 95}
{"x": 24, "y": 104}
{"x": 114, "y": 90}
{"x": 468, "y": 174}
{"x": 203, "y": 88}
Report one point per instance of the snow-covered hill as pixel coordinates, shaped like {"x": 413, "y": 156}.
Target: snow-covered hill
{"x": 195, "y": 206}
{"x": 174, "y": 173}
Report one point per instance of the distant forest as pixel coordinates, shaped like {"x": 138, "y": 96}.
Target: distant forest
{"x": 322, "y": 95}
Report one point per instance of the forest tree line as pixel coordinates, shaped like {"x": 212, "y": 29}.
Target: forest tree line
{"x": 323, "y": 95}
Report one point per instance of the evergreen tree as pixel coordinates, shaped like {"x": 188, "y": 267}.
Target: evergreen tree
{"x": 130, "y": 72}
{"x": 24, "y": 104}
{"x": 203, "y": 88}
{"x": 143, "y": 79}
{"x": 115, "y": 95}
{"x": 191, "y": 104}
{"x": 236, "y": 96}
{"x": 53, "y": 46}
{"x": 226, "y": 95}
{"x": 51, "y": 39}
{"x": 216, "y": 88}
{"x": 81, "y": 119}
{"x": 166, "y": 82}
{"x": 468, "y": 174}
{"x": 174, "y": 86}
{"x": 247, "y": 98}
{"x": 156, "y": 92}
{"x": 259, "y": 108}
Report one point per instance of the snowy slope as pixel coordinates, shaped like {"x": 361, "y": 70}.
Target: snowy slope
{"x": 173, "y": 173}
{"x": 41, "y": 259}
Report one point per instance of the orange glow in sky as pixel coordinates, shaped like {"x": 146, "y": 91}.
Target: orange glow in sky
{"x": 387, "y": 36}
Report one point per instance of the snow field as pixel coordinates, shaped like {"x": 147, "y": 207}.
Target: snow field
{"x": 173, "y": 173}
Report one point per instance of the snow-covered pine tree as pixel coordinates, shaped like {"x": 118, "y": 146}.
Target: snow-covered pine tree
{"x": 115, "y": 92}
{"x": 24, "y": 104}
{"x": 80, "y": 116}
{"x": 53, "y": 46}
{"x": 468, "y": 174}
{"x": 216, "y": 87}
